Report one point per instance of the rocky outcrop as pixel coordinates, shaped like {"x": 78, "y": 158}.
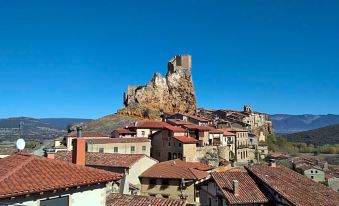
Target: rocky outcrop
{"x": 172, "y": 93}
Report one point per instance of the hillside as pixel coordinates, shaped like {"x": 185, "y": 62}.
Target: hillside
{"x": 40, "y": 129}
{"x": 324, "y": 135}
{"x": 108, "y": 123}
{"x": 285, "y": 123}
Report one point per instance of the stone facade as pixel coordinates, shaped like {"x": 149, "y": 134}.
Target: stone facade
{"x": 172, "y": 93}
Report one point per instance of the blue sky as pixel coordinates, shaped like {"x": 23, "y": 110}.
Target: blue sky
{"x": 76, "y": 58}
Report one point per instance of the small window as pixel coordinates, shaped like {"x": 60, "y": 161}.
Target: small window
{"x": 152, "y": 181}
{"x": 165, "y": 182}
{"x": 143, "y": 133}
{"x": 169, "y": 144}
{"x": 143, "y": 148}
{"x": 312, "y": 177}
{"x": 179, "y": 144}
{"x": 311, "y": 171}
{"x": 316, "y": 171}
{"x": 165, "y": 196}
{"x": 132, "y": 149}
{"x": 152, "y": 195}
{"x": 101, "y": 150}
{"x": 116, "y": 149}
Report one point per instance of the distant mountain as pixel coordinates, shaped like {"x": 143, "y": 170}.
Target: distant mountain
{"x": 285, "y": 123}
{"x": 324, "y": 135}
{"x": 46, "y": 128}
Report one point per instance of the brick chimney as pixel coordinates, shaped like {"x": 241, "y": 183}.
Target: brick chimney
{"x": 79, "y": 148}
{"x": 236, "y": 187}
{"x": 272, "y": 163}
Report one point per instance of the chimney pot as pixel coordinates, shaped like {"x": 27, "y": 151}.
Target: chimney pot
{"x": 236, "y": 187}
{"x": 79, "y": 132}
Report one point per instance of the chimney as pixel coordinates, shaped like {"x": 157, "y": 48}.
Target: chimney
{"x": 79, "y": 149}
{"x": 50, "y": 155}
{"x": 236, "y": 187}
{"x": 272, "y": 163}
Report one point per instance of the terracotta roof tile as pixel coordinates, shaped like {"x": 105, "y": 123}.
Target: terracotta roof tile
{"x": 194, "y": 126}
{"x": 104, "y": 159}
{"x": 178, "y": 122}
{"x": 175, "y": 169}
{"x": 120, "y": 140}
{"x": 249, "y": 191}
{"x": 156, "y": 125}
{"x": 137, "y": 200}
{"x": 26, "y": 174}
{"x": 186, "y": 140}
{"x": 234, "y": 129}
{"x": 124, "y": 131}
{"x": 296, "y": 188}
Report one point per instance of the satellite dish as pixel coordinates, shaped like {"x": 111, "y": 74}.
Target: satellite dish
{"x": 20, "y": 144}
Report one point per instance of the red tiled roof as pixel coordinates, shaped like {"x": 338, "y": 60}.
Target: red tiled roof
{"x": 227, "y": 133}
{"x": 194, "y": 126}
{"x": 178, "y": 122}
{"x": 12, "y": 150}
{"x": 124, "y": 131}
{"x": 120, "y": 140}
{"x": 137, "y": 200}
{"x": 296, "y": 188}
{"x": 186, "y": 140}
{"x": 22, "y": 174}
{"x": 89, "y": 134}
{"x": 201, "y": 119}
{"x": 174, "y": 169}
{"x": 156, "y": 125}
{"x": 249, "y": 191}
{"x": 104, "y": 159}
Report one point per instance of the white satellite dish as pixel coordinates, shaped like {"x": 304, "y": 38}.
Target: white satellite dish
{"x": 20, "y": 144}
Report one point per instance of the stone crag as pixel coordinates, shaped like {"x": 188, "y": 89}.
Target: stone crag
{"x": 172, "y": 93}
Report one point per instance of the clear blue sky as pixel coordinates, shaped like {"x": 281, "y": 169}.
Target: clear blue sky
{"x": 76, "y": 58}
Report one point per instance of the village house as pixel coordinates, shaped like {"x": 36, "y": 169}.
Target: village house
{"x": 135, "y": 145}
{"x": 242, "y": 151}
{"x": 168, "y": 144}
{"x": 147, "y": 128}
{"x": 38, "y": 181}
{"x": 264, "y": 185}
{"x": 130, "y": 165}
{"x": 232, "y": 187}
{"x": 312, "y": 172}
{"x": 175, "y": 179}
{"x": 123, "y": 133}
{"x": 201, "y": 121}
{"x": 85, "y": 135}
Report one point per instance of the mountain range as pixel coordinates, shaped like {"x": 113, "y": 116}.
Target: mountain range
{"x": 286, "y": 124}
{"x": 45, "y": 128}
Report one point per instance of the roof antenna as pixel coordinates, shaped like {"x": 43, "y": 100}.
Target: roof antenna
{"x": 20, "y": 143}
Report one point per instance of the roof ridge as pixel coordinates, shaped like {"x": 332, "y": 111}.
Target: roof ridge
{"x": 19, "y": 166}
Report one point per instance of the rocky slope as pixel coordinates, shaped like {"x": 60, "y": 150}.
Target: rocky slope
{"x": 172, "y": 93}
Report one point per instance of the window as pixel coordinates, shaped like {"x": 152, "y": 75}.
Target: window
{"x": 153, "y": 181}
{"x": 180, "y": 156}
{"x": 312, "y": 177}
{"x": 165, "y": 182}
{"x": 169, "y": 144}
{"x": 143, "y": 133}
{"x": 143, "y": 148}
{"x": 316, "y": 171}
{"x": 311, "y": 171}
{"x": 179, "y": 144}
{"x": 174, "y": 156}
{"x": 132, "y": 149}
{"x": 169, "y": 156}
{"x": 165, "y": 196}
{"x": 116, "y": 149}
{"x": 101, "y": 150}
{"x": 152, "y": 195}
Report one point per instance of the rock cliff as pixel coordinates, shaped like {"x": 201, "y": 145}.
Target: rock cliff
{"x": 172, "y": 93}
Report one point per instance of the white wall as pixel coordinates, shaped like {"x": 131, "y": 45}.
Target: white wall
{"x": 92, "y": 195}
